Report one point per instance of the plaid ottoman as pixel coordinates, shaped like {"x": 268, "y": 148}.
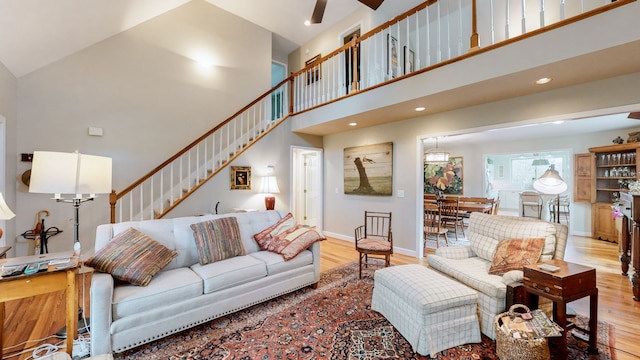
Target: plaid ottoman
{"x": 432, "y": 311}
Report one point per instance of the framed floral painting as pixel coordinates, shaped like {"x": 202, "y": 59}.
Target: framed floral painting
{"x": 446, "y": 178}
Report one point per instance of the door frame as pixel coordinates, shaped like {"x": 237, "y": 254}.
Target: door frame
{"x": 296, "y": 171}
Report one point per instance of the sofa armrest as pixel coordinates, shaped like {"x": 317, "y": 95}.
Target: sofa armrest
{"x": 455, "y": 252}
{"x": 513, "y": 276}
{"x": 101, "y": 316}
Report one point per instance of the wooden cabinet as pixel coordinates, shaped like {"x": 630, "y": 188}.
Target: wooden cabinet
{"x": 583, "y": 191}
{"x": 604, "y": 225}
{"x": 611, "y": 169}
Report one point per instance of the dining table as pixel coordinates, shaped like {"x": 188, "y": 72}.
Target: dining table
{"x": 468, "y": 206}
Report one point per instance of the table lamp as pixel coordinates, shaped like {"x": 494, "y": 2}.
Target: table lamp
{"x": 270, "y": 187}
{"x": 81, "y": 175}
{"x": 552, "y": 184}
{"x": 5, "y": 212}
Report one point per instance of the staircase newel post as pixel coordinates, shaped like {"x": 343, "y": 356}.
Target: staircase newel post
{"x": 475, "y": 42}
{"x": 113, "y": 198}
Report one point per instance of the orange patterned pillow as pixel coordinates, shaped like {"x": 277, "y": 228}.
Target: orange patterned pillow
{"x": 514, "y": 254}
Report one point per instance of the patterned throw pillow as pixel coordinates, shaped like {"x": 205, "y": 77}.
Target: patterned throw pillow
{"x": 133, "y": 257}
{"x": 265, "y": 237}
{"x": 286, "y": 238}
{"x": 218, "y": 239}
{"x": 514, "y": 254}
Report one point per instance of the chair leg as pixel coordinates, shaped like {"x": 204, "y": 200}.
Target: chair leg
{"x": 446, "y": 239}
{"x": 360, "y": 267}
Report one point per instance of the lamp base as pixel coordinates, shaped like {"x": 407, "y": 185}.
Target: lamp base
{"x": 270, "y": 202}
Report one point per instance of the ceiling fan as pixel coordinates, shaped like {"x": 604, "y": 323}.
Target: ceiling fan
{"x": 318, "y": 10}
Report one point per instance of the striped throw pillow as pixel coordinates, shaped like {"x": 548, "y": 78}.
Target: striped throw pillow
{"x": 133, "y": 257}
{"x": 218, "y": 239}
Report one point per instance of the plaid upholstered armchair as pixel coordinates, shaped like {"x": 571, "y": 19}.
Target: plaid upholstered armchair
{"x": 374, "y": 238}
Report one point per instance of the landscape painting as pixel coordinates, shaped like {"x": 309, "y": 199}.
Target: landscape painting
{"x": 368, "y": 170}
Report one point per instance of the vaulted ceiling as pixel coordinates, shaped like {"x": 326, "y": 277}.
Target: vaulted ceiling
{"x": 38, "y": 32}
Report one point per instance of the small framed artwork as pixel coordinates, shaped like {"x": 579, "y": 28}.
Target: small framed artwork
{"x": 392, "y": 56}
{"x": 409, "y": 59}
{"x": 314, "y": 73}
{"x": 240, "y": 177}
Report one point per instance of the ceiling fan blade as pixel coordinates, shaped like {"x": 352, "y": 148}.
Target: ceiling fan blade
{"x": 318, "y": 11}
{"x": 374, "y": 4}
{"x": 634, "y": 115}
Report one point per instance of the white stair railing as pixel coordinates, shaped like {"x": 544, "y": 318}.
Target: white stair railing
{"x": 163, "y": 188}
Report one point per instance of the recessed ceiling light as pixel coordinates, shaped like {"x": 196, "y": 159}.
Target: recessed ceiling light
{"x": 307, "y": 23}
{"x": 420, "y": 108}
{"x": 353, "y": 124}
{"x": 544, "y": 80}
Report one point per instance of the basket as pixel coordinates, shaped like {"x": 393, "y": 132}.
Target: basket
{"x": 510, "y": 348}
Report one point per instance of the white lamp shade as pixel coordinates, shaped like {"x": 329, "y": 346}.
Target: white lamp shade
{"x": 436, "y": 157}
{"x": 550, "y": 183}
{"x": 270, "y": 185}
{"x": 70, "y": 173}
{"x": 5, "y": 212}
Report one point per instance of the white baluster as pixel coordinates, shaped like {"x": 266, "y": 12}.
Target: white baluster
{"x": 524, "y": 16}
{"x": 506, "y": 26}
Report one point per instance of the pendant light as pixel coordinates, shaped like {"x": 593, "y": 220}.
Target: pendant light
{"x": 436, "y": 156}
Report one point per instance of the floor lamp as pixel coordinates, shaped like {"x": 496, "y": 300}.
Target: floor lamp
{"x": 551, "y": 183}
{"x": 82, "y": 176}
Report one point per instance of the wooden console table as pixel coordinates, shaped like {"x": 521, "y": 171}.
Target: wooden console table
{"x": 23, "y": 286}
{"x": 630, "y": 239}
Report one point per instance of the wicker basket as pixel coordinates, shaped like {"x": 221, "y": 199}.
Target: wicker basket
{"x": 510, "y": 348}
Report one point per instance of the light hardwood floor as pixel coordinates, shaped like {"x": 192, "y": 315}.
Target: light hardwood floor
{"x": 43, "y": 315}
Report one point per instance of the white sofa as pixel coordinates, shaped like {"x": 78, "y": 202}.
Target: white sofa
{"x": 470, "y": 264}
{"x": 185, "y": 293}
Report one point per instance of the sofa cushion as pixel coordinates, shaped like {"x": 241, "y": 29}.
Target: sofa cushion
{"x": 486, "y": 231}
{"x": 277, "y": 264}
{"x": 230, "y": 272}
{"x": 514, "y": 254}
{"x": 265, "y": 237}
{"x": 133, "y": 257}
{"x": 167, "y": 288}
{"x": 471, "y": 272}
{"x": 217, "y": 239}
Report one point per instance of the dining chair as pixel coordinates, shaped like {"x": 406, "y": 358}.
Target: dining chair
{"x": 450, "y": 214}
{"x": 432, "y": 224}
{"x": 496, "y": 206}
{"x": 531, "y": 201}
{"x": 374, "y": 237}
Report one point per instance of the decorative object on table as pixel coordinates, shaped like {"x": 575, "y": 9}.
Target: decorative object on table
{"x": 82, "y": 175}
{"x": 368, "y": 170}
{"x": 551, "y": 183}
{"x": 618, "y": 140}
{"x": 5, "y": 212}
{"x": 269, "y": 187}
{"x": 447, "y": 177}
{"x": 40, "y": 234}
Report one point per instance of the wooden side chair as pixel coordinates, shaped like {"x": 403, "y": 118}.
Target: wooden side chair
{"x": 374, "y": 238}
{"x": 450, "y": 214}
{"x": 432, "y": 224}
{"x": 496, "y": 206}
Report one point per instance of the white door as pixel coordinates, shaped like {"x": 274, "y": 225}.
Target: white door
{"x": 307, "y": 186}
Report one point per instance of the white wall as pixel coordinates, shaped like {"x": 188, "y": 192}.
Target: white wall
{"x": 145, "y": 90}
{"x": 8, "y": 110}
{"x": 343, "y": 213}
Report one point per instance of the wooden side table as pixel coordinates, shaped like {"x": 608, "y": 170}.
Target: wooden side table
{"x": 571, "y": 282}
{"x": 23, "y": 286}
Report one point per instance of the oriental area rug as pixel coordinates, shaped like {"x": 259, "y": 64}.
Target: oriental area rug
{"x": 334, "y": 321}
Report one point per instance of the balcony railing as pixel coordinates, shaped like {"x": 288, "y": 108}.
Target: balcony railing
{"x": 428, "y": 36}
